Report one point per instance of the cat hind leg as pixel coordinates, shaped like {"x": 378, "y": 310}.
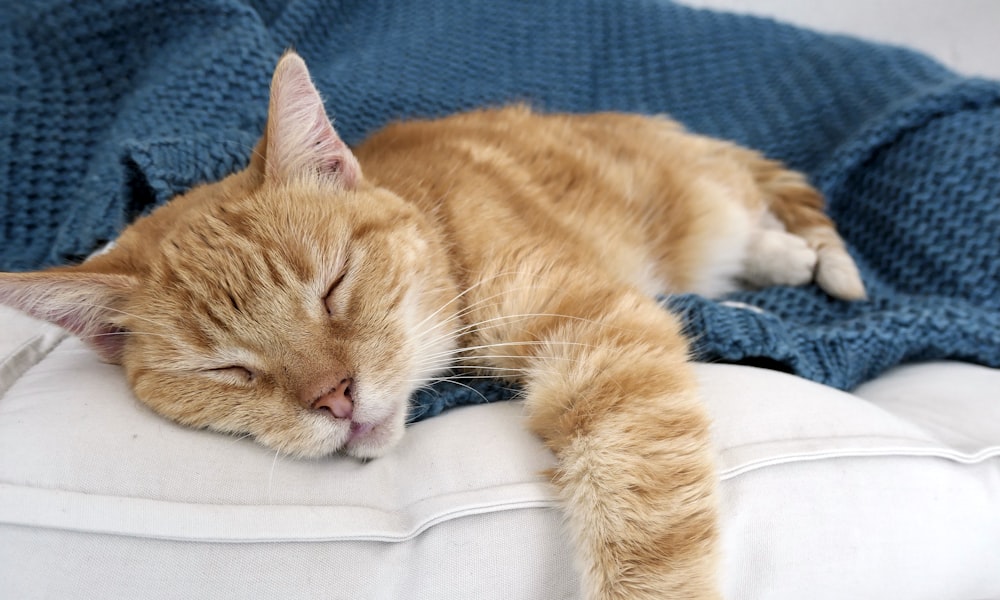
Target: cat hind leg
{"x": 796, "y": 210}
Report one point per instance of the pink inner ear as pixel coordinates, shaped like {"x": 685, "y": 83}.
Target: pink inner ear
{"x": 108, "y": 342}
{"x": 78, "y": 301}
{"x": 300, "y": 138}
{"x": 106, "y": 339}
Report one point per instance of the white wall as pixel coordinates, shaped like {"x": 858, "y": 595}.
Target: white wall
{"x": 964, "y": 34}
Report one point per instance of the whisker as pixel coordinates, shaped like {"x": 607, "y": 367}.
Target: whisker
{"x": 506, "y": 344}
{"x": 488, "y": 368}
{"x": 452, "y": 378}
{"x": 506, "y": 292}
{"x": 460, "y": 295}
{"x": 113, "y": 309}
{"x": 468, "y": 387}
{"x": 500, "y": 321}
{"x": 469, "y": 308}
{"x": 128, "y": 333}
{"x": 270, "y": 477}
{"x": 524, "y": 369}
{"x": 545, "y": 315}
{"x": 234, "y": 439}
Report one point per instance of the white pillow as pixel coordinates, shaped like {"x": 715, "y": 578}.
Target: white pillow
{"x": 824, "y": 494}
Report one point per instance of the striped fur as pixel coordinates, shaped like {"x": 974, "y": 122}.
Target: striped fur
{"x": 498, "y": 242}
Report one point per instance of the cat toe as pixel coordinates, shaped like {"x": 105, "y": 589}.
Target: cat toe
{"x": 779, "y": 258}
{"x": 838, "y": 275}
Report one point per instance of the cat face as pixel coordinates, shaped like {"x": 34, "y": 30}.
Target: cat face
{"x": 293, "y": 301}
{"x": 258, "y": 309}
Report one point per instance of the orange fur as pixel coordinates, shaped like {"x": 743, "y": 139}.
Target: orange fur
{"x": 523, "y": 246}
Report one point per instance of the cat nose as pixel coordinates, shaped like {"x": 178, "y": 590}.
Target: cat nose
{"x": 337, "y": 399}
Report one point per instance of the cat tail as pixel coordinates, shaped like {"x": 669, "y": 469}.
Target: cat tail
{"x": 800, "y": 208}
{"x": 609, "y": 390}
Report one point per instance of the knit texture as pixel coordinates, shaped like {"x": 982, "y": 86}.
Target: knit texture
{"x": 110, "y": 107}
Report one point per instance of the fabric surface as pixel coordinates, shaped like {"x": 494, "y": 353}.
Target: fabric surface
{"x": 891, "y": 494}
{"x": 112, "y": 106}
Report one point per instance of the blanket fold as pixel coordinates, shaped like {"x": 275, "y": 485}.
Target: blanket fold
{"x": 111, "y": 107}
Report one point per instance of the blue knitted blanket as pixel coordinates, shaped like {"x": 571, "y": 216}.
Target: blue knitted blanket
{"x": 109, "y": 107}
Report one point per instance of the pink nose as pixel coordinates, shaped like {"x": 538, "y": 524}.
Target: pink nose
{"x": 337, "y": 400}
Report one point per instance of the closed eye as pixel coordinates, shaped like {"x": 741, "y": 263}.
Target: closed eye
{"x": 233, "y": 373}
{"x": 329, "y": 298}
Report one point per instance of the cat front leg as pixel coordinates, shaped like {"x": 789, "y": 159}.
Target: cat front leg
{"x": 610, "y": 391}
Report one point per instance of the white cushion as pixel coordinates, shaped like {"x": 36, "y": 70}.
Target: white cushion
{"x": 889, "y": 493}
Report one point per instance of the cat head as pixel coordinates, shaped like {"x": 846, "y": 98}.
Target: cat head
{"x": 293, "y": 301}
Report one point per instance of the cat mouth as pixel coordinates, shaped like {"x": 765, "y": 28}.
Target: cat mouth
{"x": 370, "y": 440}
{"x": 360, "y": 430}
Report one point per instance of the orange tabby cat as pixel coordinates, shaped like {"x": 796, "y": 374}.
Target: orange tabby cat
{"x": 304, "y": 299}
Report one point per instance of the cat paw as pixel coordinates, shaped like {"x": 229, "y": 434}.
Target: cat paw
{"x": 777, "y": 257}
{"x": 839, "y": 276}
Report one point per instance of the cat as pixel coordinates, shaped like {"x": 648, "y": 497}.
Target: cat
{"x": 304, "y": 299}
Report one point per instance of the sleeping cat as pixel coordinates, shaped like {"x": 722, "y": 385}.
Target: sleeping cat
{"x": 304, "y": 299}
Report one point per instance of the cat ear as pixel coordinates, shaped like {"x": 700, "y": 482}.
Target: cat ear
{"x": 299, "y": 139}
{"x": 82, "y": 303}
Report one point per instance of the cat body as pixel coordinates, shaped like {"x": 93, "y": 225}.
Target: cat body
{"x": 304, "y": 299}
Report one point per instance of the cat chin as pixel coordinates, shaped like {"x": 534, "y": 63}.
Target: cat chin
{"x": 374, "y": 441}
{"x": 322, "y": 437}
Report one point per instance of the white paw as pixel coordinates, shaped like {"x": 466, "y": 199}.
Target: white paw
{"x": 778, "y": 258}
